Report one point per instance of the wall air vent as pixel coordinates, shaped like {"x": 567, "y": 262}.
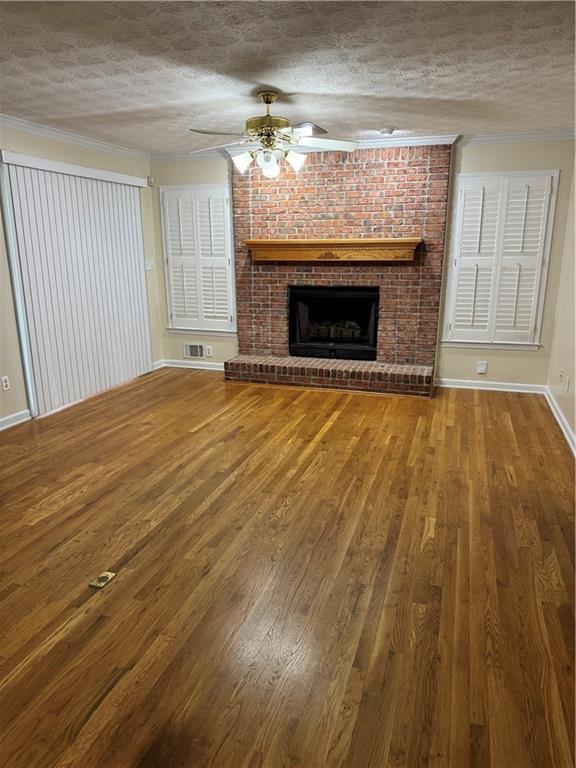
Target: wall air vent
{"x": 194, "y": 350}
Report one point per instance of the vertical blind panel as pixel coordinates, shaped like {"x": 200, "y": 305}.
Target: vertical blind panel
{"x": 81, "y": 258}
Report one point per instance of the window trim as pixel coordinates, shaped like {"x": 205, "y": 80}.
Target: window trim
{"x": 524, "y": 345}
{"x": 198, "y": 331}
{"x": 455, "y": 221}
{"x": 225, "y": 185}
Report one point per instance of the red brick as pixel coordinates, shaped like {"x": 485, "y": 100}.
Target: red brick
{"x": 389, "y": 192}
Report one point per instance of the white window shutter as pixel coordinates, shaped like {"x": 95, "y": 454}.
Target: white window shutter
{"x": 198, "y": 258}
{"x": 499, "y": 251}
{"x": 181, "y": 258}
{"x": 477, "y": 232}
{"x": 215, "y": 262}
{"x": 526, "y": 202}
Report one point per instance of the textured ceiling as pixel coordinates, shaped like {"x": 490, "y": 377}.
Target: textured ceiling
{"x": 139, "y": 74}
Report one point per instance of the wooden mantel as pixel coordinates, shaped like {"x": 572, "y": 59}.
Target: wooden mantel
{"x": 356, "y": 249}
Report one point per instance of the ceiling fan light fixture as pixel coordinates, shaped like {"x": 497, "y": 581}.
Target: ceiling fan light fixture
{"x": 296, "y": 160}
{"x": 243, "y": 161}
{"x": 266, "y": 158}
{"x": 271, "y": 171}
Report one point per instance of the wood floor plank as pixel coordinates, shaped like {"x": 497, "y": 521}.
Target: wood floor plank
{"x": 311, "y": 579}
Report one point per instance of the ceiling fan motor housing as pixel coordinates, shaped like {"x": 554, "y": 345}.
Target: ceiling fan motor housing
{"x": 265, "y": 128}
{"x": 266, "y": 123}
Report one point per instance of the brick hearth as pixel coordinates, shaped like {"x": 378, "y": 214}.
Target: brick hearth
{"x": 366, "y": 376}
{"x": 395, "y": 192}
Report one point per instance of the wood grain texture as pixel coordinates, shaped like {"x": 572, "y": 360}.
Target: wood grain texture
{"x": 305, "y": 578}
{"x": 331, "y": 249}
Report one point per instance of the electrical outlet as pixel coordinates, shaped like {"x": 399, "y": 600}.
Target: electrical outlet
{"x": 561, "y": 374}
{"x": 207, "y": 350}
{"x": 5, "y": 383}
{"x": 149, "y": 265}
{"x": 481, "y": 366}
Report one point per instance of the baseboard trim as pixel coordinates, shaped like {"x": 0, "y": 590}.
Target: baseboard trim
{"x": 495, "y": 386}
{"x": 561, "y": 419}
{"x": 199, "y": 364}
{"x": 13, "y": 419}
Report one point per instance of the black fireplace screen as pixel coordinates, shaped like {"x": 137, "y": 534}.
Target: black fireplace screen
{"x": 336, "y": 322}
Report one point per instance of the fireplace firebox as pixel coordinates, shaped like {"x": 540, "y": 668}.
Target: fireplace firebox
{"x": 333, "y": 321}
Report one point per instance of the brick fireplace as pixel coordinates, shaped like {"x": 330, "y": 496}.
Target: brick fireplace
{"x": 398, "y": 192}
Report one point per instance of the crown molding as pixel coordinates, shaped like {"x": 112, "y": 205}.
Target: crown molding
{"x": 407, "y": 141}
{"x": 59, "y": 134}
{"x": 497, "y": 138}
{"x": 208, "y": 154}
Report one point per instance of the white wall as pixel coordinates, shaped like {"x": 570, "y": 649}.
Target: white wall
{"x": 509, "y": 365}
{"x": 14, "y": 400}
{"x": 561, "y": 368}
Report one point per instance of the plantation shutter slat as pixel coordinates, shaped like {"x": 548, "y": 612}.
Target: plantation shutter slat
{"x": 198, "y": 258}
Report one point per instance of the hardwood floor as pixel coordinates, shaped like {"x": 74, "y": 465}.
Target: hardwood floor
{"x": 305, "y": 578}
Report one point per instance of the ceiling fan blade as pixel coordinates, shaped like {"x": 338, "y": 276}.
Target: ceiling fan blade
{"x": 299, "y": 130}
{"x": 337, "y": 145}
{"x": 214, "y": 133}
{"x": 218, "y": 146}
{"x": 308, "y": 128}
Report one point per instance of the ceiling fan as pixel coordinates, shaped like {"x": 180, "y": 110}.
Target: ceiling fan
{"x": 276, "y": 137}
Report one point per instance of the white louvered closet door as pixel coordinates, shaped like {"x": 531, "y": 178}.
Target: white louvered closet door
{"x": 475, "y": 264}
{"x": 526, "y": 202}
{"x": 80, "y": 253}
{"x": 198, "y": 257}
